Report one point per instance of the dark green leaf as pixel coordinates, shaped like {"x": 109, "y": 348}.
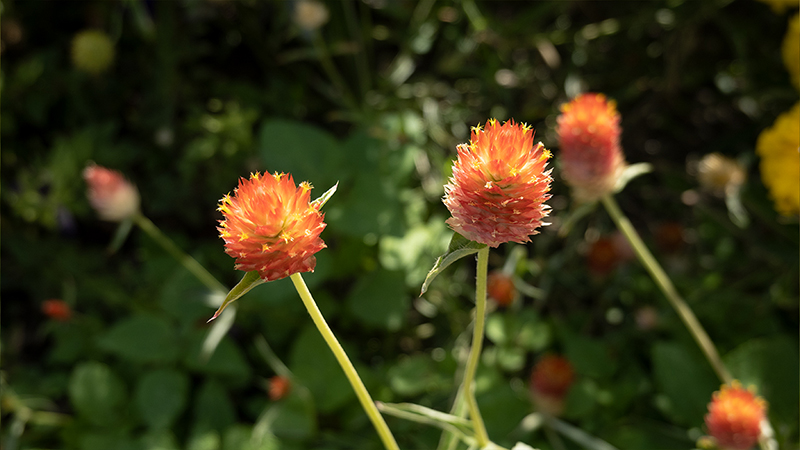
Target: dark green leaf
{"x": 459, "y": 247}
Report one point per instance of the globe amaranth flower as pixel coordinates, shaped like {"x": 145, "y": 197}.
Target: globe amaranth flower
{"x": 111, "y": 195}
{"x": 588, "y": 135}
{"x": 778, "y": 147}
{"x": 551, "y": 379}
{"x": 499, "y": 185}
{"x": 92, "y": 51}
{"x": 57, "y": 309}
{"x": 271, "y": 227}
{"x": 734, "y": 417}
{"x": 500, "y": 288}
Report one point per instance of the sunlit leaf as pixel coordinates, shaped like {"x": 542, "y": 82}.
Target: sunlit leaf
{"x": 459, "y": 247}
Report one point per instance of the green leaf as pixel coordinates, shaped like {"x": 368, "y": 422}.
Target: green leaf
{"x": 293, "y": 418}
{"x": 459, "y": 247}
{"x": 590, "y": 357}
{"x": 227, "y": 361}
{"x": 142, "y": 339}
{"x": 415, "y": 375}
{"x": 97, "y": 393}
{"x": 307, "y": 152}
{"x": 685, "y": 379}
{"x": 379, "y": 300}
{"x": 629, "y": 173}
{"x": 320, "y": 202}
{"x": 248, "y": 282}
{"x": 314, "y": 365}
{"x": 161, "y": 397}
{"x": 213, "y": 407}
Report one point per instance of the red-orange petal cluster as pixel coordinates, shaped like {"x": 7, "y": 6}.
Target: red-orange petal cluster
{"x": 57, "y": 309}
{"x": 279, "y": 387}
{"x": 499, "y": 185}
{"x": 551, "y": 379}
{"x": 591, "y": 157}
{"x": 734, "y": 417}
{"x": 271, "y": 226}
{"x": 500, "y": 287}
{"x": 111, "y": 195}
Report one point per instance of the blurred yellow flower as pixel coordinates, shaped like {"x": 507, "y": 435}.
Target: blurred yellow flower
{"x": 779, "y": 149}
{"x": 780, "y": 6}
{"x": 791, "y": 50}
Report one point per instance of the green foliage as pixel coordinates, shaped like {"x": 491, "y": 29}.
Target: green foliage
{"x": 201, "y": 93}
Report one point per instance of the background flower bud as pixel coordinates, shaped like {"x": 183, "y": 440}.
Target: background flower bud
{"x": 111, "y": 195}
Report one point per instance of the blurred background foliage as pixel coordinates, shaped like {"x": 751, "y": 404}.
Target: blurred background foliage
{"x": 375, "y": 94}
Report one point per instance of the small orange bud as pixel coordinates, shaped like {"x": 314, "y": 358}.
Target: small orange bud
{"x": 551, "y": 379}
{"x": 500, "y": 287}
{"x": 588, "y": 135}
{"x": 499, "y": 185}
{"x": 734, "y": 417}
{"x": 57, "y": 310}
{"x": 271, "y": 227}
{"x": 279, "y": 387}
{"x": 112, "y": 196}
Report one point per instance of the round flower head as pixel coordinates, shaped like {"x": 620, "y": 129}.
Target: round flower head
{"x": 499, "y": 185}
{"x": 551, "y": 379}
{"x": 111, "y": 195}
{"x": 588, "y": 135}
{"x": 271, "y": 227}
{"x": 734, "y": 417}
{"x": 778, "y": 147}
{"x": 500, "y": 287}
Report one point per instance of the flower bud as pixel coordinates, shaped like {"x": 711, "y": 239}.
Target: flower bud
{"x": 500, "y": 288}
{"x": 111, "y": 195}
{"x": 92, "y": 51}
{"x": 310, "y": 14}
{"x": 551, "y": 379}
{"x": 719, "y": 174}
{"x": 57, "y": 310}
{"x": 279, "y": 387}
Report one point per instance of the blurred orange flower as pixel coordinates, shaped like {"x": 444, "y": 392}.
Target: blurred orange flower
{"x": 499, "y": 185}
{"x": 57, "y": 309}
{"x": 111, "y": 195}
{"x": 734, "y": 417}
{"x": 279, "y": 387}
{"x": 271, "y": 227}
{"x": 588, "y": 135}
{"x": 500, "y": 287}
{"x": 551, "y": 379}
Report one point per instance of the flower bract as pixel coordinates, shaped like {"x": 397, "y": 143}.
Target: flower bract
{"x": 499, "y": 185}
{"x": 590, "y": 153}
{"x": 271, "y": 227}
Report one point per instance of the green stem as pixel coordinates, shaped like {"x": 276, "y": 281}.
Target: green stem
{"x": 187, "y": 261}
{"x": 349, "y": 371}
{"x": 481, "y": 437}
{"x": 665, "y": 284}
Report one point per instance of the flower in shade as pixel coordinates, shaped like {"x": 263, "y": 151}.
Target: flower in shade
{"x": 734, "y": 417}
{"x": 92, "y": 51}
{"x": 270, "y": 226}
{"x": 111, "y": 195}
{"x": 57, "y": 309}
{"x": 779, "y": 149}
{"x": 279, "y": 387}
{"x": 588, "y": 135}
{"x": 791, "y": 50}
{"x": 499, "y": 185}
{"x": 310, "y": 14}
{"x": 720, "y": 174}
{"x": 551, "y": 379}
{"x": 500, "y": 287}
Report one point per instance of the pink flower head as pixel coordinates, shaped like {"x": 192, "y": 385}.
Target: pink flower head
{"x": 734, "y": 417}
{"x": 111, "y": 195}
{"x": 591, "y": 157}
{"x": 271, "y": 227}
{"x": 499, "y": 185}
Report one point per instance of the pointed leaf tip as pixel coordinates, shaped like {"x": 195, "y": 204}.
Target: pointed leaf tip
{"x": 459, "y": 247}
{"x": 249, "y": 281}
{"x": 319, "y": 202}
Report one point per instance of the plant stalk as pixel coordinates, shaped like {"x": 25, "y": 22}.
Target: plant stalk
{"x": 187, "y": 261}
{"x": 481, "y": 437}
{"x": 349, "y": 371}
{"x": 667, "y": 288}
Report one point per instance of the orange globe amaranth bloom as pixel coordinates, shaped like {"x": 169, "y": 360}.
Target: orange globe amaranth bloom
{"x": 500, "y": 287}
{"x": 271, "y": 227}
{"x": 57, "y": 309}
{"x": 551, "y": 379}
{"x": 111, "y": 195}
{"x": 499, "y": 185}
{"x": 734, "y": 417}
{"x": 588, "y": 135}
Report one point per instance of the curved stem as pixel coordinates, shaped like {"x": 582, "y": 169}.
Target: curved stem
{"x": 187, "y": 261}
{"x": 481, "y": 437}
{"x": 665, "y": 284}
{"x": 349, "y": 371}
